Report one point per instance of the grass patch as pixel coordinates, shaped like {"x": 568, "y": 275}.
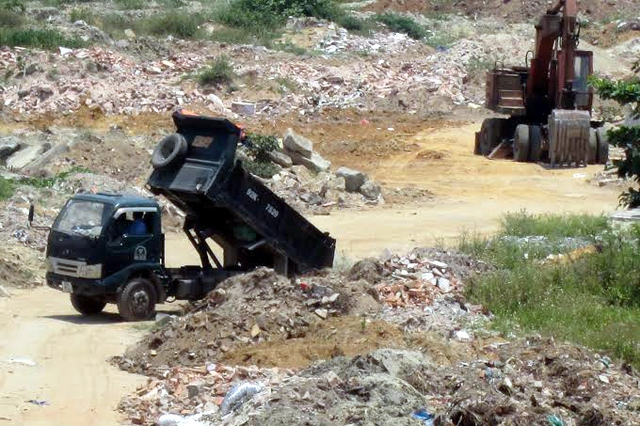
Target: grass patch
{"x": 130, "y": 4}
{"x": 356, "y": 25}
{"x": 220, "y": 71}
{"x": 10, "y": 18}
{"x": 39, "y": 38}
{"x": 83, "y": 14}
{"x": 593, "y": 299}
{"x": 182, "y": 25}
{"x": 6, "y": 188}
{"x": 48, "y": 182}
{"x": 402, "y": 24}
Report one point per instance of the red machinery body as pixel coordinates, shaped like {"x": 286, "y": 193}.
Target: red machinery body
{"x": 548, "y": 101}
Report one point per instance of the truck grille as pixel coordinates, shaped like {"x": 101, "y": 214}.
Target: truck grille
{"x": 66, "y": 266}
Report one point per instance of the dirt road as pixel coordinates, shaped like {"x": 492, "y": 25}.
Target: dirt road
{"x": 71, "y": 373}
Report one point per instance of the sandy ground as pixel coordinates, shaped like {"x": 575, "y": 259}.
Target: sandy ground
{"x": 71, "y": 373}
{"x": 471, "y": 194}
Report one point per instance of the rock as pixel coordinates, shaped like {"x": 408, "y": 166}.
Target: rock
{"x": 444, "y": 285}
{"x": 130, "y": 34}
{"x": 8, "y": 146}
{"x": 193, "y": 390}
{"x": 298, "y": 144}
{"x": 322, "y": 313}
{"x": 243, "y": 108}
{"x": 25, "y": 156}
{"x": 122, "y": 44}
{"x": 255, "y": 330}
{"x": 43, "y": 160}
{"x": 281, "y": 159}
{"x": 216, "y": 101}
{"x": 44, "y": 92}
{"x": 4, "y": 292}
{"x": 371, "y": 190}
{"x": 353, "y": 179}
{"x": 315, "y": 163}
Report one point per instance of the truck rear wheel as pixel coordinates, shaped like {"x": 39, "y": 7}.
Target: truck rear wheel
{"x": 137, "y": 301}
{"x": 521, "y": 143}
{"x": 488, "y": 138}
{"x": 535, "y": 142}
{"x": 87, "y": 305}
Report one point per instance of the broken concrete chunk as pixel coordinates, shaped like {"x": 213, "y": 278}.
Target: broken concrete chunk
{"x": 255, "y": 330}
{"x": 25, "y": 156}
{"x": 371, "y": 190}
{"x": 243, "y": 108}
{"x": 322, "y": 313}
{"x": 4, "y": 292}
{"x": 298, "y": 144}
{"x": 353, "y": 179}
{"x": 316, "y": 163}
{"x": 281, "y": 159}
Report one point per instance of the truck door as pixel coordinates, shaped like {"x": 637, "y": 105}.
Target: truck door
{"x": 134, "y": 237}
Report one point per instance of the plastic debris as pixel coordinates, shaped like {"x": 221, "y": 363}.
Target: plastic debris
{"x": 40, "y": 402}
{"x": 22, "y": 361}
{"x": 237, "y": 396}
{"x": 426, "y": 417}
{"x": 555, "y": 420}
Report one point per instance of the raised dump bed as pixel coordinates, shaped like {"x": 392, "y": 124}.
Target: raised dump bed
{"x": 196, "y": 170}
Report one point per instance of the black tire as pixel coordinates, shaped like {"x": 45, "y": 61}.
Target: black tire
{"x": 137, "y": 301}
{"x": 521, "y": 143}
{"x": 535, "y": 142}
{"x": 168, "y": 150}
{"x": 87, "y": 305}
{"x": 488, "y": 136}
{"x": 603, "y": 146}
{"x": 592, "y": 158}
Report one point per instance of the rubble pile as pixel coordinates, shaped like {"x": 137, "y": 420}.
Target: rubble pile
{"x": 530, "y": 381}
{"x": 247, "y": 310}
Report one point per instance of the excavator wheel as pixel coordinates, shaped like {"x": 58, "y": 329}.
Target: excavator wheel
{"x": 535, "y": 141}
{"x": 488, "y": 136}
{"x": 592, "y": 156}
{"x": 603, "y": 146}
{"x": 521, "y": 143}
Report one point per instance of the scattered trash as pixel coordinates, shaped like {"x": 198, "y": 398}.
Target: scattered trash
{"x": 22, "y": 361}
{"x": 40, "y": 402}
{"x": 238, "y": 395}
{"x": 426, "y": 417}
{"x": 555, "y": 420}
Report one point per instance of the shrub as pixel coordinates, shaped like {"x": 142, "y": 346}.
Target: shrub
{"x": 219, "y": 72}
{"x": 402, "y": 24}
{"x": 183, "y": 25}
{"x": 6, "y": 188}
{"x": 10, "y": 19}
{"x": 44, "y": 39}
{"x": 83, "y": 14}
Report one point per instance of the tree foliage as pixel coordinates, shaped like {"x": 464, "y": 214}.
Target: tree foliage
{"x": 625, "y": 92}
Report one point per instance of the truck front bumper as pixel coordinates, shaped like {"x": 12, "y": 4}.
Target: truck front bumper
{"x": 81, "y": 286}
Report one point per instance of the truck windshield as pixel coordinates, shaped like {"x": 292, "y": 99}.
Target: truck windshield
{"x": 82, "y": 217}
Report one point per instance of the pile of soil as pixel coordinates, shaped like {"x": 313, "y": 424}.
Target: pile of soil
{"x": 253, "y": 311}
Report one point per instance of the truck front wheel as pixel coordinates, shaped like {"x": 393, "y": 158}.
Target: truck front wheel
{"x": 137, "y": 301}
{"x": 87, "y": 305}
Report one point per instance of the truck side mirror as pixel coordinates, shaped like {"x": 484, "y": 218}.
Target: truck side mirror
{"x": 31, "y": 210}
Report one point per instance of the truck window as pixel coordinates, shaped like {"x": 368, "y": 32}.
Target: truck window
{"x": 82, "y": 217}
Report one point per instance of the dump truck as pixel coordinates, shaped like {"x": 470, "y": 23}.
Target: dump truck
{"x": 548, "y": 101}
{"x": 110, "y": 248}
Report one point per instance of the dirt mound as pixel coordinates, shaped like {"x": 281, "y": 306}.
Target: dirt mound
{"x": 512, "y": 11}
{"x": 531, "y": 381}
{"x": 247, "y": 310}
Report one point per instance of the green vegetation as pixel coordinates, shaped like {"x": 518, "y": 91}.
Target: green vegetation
{"x": 592, "y": 298}
{"x": 183, "y": 25}
{"x": 6, "y": 188}
{"x": 83, "y": 14}
{"x": 219, "y": 72}
{"x": 48, "y": 182}
{"x": 625, "y": 92}
{"x": 40, "y": 38}
{"x": 258, "y": 149}
{"x": 130, "y": 4}
{"x": 403, "y": 24}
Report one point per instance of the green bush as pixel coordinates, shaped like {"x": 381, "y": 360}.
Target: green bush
{"x": 6, "y": 188}
{"x": 219, "y": 72}
{"x": 182, "y": 25}
{"x": 265, "y": 16}
{"x": 10, "y": 19}
{"x": 44, "y": 39}
{"x": 523, "y": 224}
{"x": 355, "y": 24}
{"x": 82, "y": 14}
{"x": 402, "y": 24}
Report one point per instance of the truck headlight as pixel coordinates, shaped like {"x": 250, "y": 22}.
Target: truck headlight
{"x": 90, "y": 271}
